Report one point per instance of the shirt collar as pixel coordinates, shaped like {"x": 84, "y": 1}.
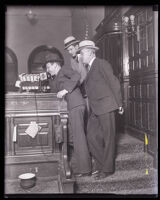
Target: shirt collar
{"x": 76, "y": 58}
{"x": 90, "y": 63}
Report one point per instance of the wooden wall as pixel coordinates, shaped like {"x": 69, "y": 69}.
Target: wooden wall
{"x": 143, "y": 78}
{"x": 134, "y": 60}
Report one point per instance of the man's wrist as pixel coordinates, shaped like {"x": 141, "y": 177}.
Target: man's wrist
{"x": 66, "y": 91}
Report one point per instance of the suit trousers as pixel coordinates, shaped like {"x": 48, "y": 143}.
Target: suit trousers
{"x": 81, "y": 159}
{"x": 101, "y": 140}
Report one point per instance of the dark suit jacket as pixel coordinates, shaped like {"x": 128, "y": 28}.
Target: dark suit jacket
{"x": 68, "y": 79}
{"x": 103, "y": 88}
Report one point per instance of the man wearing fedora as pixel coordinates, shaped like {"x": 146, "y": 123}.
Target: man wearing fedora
{"x": 65, "y": 82}
{"x": 104, "y": 96}
{"x": 71, "y": 45}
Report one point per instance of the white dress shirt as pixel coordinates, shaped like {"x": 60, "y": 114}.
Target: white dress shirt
{"x": 90, "y": 63}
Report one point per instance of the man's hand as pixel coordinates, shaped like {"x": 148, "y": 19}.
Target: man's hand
{"x": 62, "y": 93}
{"x": 120, "y": 110}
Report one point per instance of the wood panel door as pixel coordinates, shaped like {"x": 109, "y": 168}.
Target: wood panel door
{"x": 142, "y": 97}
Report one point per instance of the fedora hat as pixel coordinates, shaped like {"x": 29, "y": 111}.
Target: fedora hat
{"x": 87, "y": 44}
{"x": 51, "y": 57}
{"x": 70, "y": 41}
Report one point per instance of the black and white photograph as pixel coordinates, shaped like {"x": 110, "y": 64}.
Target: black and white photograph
{"x": 81, "y": 100}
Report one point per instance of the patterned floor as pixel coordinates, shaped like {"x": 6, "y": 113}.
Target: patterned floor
{"x": 129, "y": 178}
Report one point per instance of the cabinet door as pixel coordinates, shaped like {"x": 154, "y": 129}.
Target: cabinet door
{"x": 41, "y": 143}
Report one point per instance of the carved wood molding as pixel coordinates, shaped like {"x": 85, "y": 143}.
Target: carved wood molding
{"x": 106, "y": 26}
{"x": 67, "y": 169}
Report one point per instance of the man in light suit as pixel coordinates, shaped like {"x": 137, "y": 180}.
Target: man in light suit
{"x": 104, "y": 95}
{"x": 65, "y": 82}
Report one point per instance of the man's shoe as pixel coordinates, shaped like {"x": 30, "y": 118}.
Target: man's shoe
{"x": 103, "y": 175}
{"x": 78, "y": 175}
{"x": 82, "y": 174}
{"x": 95, "y": 172}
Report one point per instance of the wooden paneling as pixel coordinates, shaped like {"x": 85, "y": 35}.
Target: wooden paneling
{"x": 142, "y": 97}
{"x": 141, "y": 53}
{"x": 41, "y": 142}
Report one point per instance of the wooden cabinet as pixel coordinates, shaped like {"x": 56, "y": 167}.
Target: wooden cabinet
{"x": 47, "y": 150}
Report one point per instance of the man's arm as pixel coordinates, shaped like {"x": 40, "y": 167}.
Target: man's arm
{"x": 70, "y": 79}
{"x": 53, "y": 85}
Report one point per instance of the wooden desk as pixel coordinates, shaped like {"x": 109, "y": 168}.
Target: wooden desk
{"x": 46, "y": 153}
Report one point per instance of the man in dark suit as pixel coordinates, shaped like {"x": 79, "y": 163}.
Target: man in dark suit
{"x": 104, "y": 95}
{"x": 71, "y": 45}
{"x": 65, "y": 82}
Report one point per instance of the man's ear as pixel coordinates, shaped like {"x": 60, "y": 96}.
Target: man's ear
{"x": 91, "y": 52}
{"x": 76, "y": 46}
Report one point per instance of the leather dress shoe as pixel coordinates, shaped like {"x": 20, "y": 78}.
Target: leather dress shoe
{"x": 95, "y": 172}
{"x": 82, "y": 174}
{"x": 103, "y": 175}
